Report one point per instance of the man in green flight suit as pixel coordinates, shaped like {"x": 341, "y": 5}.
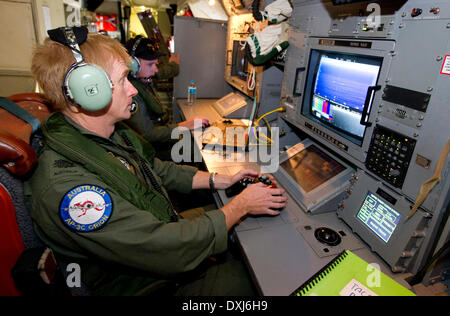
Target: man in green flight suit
{"x": 150, "y": 118}
{"x": 99, "y": 199}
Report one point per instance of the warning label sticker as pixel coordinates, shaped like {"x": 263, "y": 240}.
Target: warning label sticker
{"x": 446, "y": 66}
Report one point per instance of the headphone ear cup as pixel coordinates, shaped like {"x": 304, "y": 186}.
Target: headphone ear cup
{"x": 135, "y": 66}
{"x": 90, "y": 87}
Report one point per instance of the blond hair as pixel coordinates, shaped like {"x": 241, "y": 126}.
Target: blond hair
{"x": 52, "y": 60}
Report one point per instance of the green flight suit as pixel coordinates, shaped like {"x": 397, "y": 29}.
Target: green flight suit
{"x": 150, "y": 118}
{"x": 167, "y": 70}
{"x": 140, "y": 243}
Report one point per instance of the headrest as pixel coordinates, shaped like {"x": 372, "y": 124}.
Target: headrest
{"x": 35, "y": 104}
{"x": 16, "y": 154}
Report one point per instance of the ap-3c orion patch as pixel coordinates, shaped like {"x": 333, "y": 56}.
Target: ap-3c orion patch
{"x": 86, "y": 208}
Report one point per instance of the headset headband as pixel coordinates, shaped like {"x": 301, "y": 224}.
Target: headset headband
{"x": 136, "y": 45}
{"x": 72, "y": 43}
{"x": 85, "y": 85}
{"x": 71, "y": 37}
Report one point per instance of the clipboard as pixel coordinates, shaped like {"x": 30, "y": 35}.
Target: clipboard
{"x": 349, "y": 275}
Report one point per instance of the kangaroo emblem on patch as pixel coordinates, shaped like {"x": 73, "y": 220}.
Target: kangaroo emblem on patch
{"x": 86, "y": 208}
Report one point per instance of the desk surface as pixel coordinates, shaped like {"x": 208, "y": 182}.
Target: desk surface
{"x": 282, "y": 252}
{"x": 202, "y": 107}
{"x": 215, "y": 161}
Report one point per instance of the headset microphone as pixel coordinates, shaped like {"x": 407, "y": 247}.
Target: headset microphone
{"x": 133, "y": 106}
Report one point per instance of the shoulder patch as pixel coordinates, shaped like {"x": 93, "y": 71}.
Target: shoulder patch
{"x": 86, "y": 208}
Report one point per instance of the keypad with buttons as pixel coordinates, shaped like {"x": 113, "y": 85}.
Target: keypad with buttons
{"x": 390, "y": 155}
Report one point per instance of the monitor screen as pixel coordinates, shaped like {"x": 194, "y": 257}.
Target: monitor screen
{"x": 379, "y": 217}
{"x": 311, "y": 168}
{"x": 239, "y": 66}
{"x": 337, "y": 88}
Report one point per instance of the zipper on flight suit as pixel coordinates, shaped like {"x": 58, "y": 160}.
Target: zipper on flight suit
{"x": 175, "y": 217}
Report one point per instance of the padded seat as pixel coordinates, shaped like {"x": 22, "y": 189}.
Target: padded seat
{"x": 17, "y": 159}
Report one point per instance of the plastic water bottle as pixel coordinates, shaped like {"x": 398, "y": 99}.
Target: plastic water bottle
{"x": 192, "y": 93}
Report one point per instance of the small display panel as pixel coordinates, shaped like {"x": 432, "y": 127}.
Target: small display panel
{"x": 312, "y": 168}
{"x": 239, "y": 66}
{"x": 379, "y": 217}
{"x": 337, "y": 90}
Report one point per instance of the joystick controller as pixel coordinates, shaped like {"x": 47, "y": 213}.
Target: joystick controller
{"x": 240, "y": 186}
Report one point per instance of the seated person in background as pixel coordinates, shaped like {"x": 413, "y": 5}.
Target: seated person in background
{"x": 150, "y": 117}
{"x": 98, "y": 197}
{"x": 168, "y": 67}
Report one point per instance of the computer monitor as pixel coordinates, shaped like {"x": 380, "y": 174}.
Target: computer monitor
{"x": 315, "y": 178}
{"x": 229, "y": 104}
{"x": 311, "y": 168}
{"x": 379, "y": 217}
{"x": 338, "y": 89}
{"x": 239, "y": 64}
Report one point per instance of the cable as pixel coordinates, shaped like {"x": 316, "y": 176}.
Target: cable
{"x": 269, "y": 140}
{"x": 251, "y": 82}
{"x": 281, "y": 109}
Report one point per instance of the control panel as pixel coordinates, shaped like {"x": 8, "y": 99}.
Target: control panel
{"x": 390, "y": 155}
{"x": 401, "y": 144}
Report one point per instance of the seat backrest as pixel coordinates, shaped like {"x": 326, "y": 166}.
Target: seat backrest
{"x": 11, "y": 243}
{"x": 17, "y": 159}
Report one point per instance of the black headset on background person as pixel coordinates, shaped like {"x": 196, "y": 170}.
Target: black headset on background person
{"x": 85, "y": 85}
{"x": 135, "y": 65}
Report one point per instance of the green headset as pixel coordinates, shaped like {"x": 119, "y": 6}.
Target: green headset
{"x": 85, "y": 85}
{"x": 135, "y": 65}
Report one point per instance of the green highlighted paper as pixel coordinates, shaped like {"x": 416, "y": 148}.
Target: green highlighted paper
{"x": 349, "y": 275}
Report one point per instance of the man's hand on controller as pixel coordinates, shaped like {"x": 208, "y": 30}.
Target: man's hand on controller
{"x": 252, "y": 174}
{"x": 256, "y": 199}
{"x": 262, "y": 200}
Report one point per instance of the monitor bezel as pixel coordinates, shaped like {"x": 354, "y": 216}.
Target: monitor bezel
{"x": 313, "y": 200}
{"x": 390, "y": 252}
{"x": 311, "y": 79}
{"x": 322, "y": 134}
